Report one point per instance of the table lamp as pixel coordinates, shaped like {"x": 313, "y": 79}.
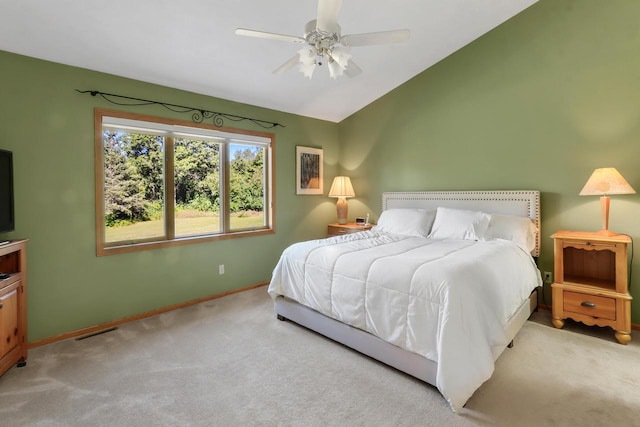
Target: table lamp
{"x": 602, "y": 182}
{"x": 342, "y": 188}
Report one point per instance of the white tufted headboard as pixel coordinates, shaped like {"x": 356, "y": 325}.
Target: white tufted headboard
{"x": 520, "y": 203}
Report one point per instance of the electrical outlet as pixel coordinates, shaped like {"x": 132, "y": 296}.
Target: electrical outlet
{"x": 221, "y": 269}
{"x": 547, "y": 277}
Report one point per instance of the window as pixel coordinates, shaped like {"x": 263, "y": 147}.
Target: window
{"x": 163, "y": 182}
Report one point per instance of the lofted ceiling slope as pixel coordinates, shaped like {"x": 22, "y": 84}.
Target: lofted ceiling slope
{"x": 191, "y": 45}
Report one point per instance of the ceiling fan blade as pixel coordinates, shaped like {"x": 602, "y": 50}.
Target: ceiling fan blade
{"x": 288, "y": 65}
{"x": 382, "y": 37}
{"x": 272, "y": 36}
{"x": 352, "y": 69}
{"x": 328, "y": 11}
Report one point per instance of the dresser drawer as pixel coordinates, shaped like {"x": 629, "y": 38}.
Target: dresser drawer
{"x": 590, "y": 305}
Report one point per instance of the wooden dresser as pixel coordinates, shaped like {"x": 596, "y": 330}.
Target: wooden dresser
{"x": 13, "y": 305}
{"x": 591, "y": 281}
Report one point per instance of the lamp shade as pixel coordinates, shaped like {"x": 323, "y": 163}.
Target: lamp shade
{"x": 605, "y": 181}
{"x": 341, "y": 187}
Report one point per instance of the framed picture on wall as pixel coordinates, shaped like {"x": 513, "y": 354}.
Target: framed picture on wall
{"x": 309, "y": 170}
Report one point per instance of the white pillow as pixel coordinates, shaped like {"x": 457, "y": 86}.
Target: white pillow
{"x": 408, "y": 222}
{"x": 518, "y": 229}
{"x": 459, "y": 224}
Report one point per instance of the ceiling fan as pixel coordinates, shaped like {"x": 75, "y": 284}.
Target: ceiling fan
{"x": 324, "y": 43}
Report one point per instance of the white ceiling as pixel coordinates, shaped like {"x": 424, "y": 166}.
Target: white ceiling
{"x": 191, "y": 45}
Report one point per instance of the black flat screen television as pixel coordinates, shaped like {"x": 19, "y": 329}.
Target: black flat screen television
{"x": 7, "y": 220}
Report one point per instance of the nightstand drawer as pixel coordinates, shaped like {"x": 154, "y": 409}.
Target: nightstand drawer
{"x": 336, "y": 231}
{"x": 348, "y": 228}
{"x": 589, "y": 245}
{"x": 590, "y": 305}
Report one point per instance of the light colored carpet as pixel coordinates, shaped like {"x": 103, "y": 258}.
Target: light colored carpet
{"x": 229, "y": 362}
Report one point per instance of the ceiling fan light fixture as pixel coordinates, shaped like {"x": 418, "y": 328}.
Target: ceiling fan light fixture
{"x": 325, "y": 42}
{"x": 341, "y": 54}
{"x": 307, "y": 70}
{"x": 307, "y": 56}
{"x": 335, "y": 70}
{"x": 307, "y": 61}
{"x": 338, "y": 59}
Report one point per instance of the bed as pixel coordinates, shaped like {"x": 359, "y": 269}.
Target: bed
{"x": 437, "y": 289}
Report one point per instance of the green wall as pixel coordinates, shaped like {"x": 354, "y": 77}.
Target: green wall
{"x": 49, "y": 128}
{"x": 537, "y": 103}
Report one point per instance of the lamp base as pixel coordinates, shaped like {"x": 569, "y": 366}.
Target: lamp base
{"x": 604, "y": 211}
{"x": 607, "y": 233}
{"x": 342, "y": 206}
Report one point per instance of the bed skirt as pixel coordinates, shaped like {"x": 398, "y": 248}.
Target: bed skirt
{"x": 411, "y": 363}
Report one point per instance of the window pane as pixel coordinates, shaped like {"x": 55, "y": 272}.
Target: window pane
{"x": 133, "y": 186}
{"x": 197, "y": 187}
{"x": 246, "y": 186}
{"x": 164, "y": 182}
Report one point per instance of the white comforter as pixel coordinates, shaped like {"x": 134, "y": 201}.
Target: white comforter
{"x": 447, "y": 300}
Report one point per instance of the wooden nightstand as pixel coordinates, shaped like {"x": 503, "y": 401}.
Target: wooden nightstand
{"x": 348, "y": 228}
{"x": 591, "y": 281}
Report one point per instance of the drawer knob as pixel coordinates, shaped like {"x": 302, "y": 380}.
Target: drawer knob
{"x": 588, "y": 304}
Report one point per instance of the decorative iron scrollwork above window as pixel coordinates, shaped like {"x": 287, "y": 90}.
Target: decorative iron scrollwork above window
{"x": 199, "y": 115}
